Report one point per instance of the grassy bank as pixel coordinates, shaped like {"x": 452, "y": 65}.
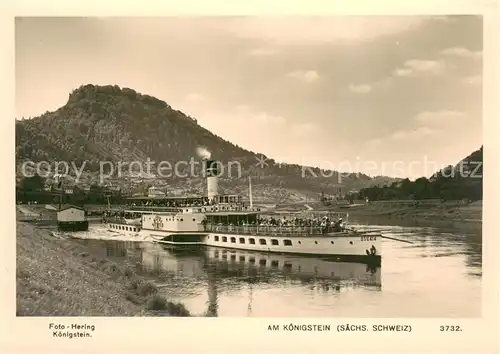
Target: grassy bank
{"x": 446, "y": 216}
{"x": 449, "y": 212}
{"x": 452, "y": 211}
{"x": 60, "y": 277}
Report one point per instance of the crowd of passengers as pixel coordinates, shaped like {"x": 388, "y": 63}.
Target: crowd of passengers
{"x": 120, "y": 214}
{"x": 171, "y": 203}
{"x": 326, "y": 223}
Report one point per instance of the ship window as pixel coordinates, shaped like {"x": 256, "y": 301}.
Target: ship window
{"x": 233, "y": 239}
{"x": 262, "y": 262}
{"x": 216, "y": 253}
{"x": 332, "y": 242}
{"x": 287, "y": 242}
{"x": 350, "y": 242}
{"x": 316, "y": 242}
{"x": 274, "y": 263}
{"x": 216, "y": 238}
{"x": 242, "y": 240}
{"x": 233, "y": 257}
{"x": 182, "y": 219}
{"x": 194, "y": 219}
{"x": 242, "y": 258}
{"x": 274, "y": 242}
{"x": 262, "y": 241}
{"x": 287, "y": 265}
{"x": 224, "y": 239}
{"x": 251, "y": 260}
{"x": 252, "y": 241}
{"x": 186, "y": 210}
{"x": 300, "y": 243}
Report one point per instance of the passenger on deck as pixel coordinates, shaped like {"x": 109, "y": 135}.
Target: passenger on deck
{"x": 338, "y": 227}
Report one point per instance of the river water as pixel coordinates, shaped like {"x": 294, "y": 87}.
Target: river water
{"x": 438, "y": 275}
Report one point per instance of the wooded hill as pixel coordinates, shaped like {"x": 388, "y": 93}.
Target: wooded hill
{"x": 109, "y": 123}
{"x": 462, "y": 181}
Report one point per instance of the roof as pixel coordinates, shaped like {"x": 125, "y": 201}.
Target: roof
{"x": 163, "y": 198}
{"x": 227, "y": 213}
{"x": 69, "y": 206}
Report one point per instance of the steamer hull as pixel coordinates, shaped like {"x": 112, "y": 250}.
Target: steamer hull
{"x": 345, "y": 247}
{"x": 364, "y": 249}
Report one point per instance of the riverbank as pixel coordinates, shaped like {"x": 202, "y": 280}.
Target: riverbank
{"x": 446, "y": 215}
{"x": 421, "y": 211}
{"x": 60, "y": 277}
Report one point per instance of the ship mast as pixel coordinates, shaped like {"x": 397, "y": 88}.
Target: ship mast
{"x": 250, "y": 191}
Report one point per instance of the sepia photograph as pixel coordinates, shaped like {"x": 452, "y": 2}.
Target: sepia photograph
{"x": 249, "y": 166}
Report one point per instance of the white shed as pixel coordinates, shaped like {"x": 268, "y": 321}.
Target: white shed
{"x": 71, "y": 213}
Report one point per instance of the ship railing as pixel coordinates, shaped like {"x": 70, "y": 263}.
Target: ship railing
{"x": 154, "y": 209}
{"x": 114, "y": 220}
{"x": 266, "y": 230}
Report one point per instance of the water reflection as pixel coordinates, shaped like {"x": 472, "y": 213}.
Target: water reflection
{"x": 230, "y": 271}
{"x": 257, "y": 267}
{"x": 443, "y": 239}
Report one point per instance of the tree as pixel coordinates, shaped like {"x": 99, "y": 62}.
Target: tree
{"x": 32, "y": 184}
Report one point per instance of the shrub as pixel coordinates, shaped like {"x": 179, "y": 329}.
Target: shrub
{"x": 156, "y": 303}
{"x": 146, "y": 289}
{"x": 177, "y": 309}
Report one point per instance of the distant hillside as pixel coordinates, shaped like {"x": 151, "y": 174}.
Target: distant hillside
{"x": 109, "y": 123}
{"x": 462, "y": 181}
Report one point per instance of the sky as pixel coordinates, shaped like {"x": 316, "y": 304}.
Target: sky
{"x": 384, "y": 95}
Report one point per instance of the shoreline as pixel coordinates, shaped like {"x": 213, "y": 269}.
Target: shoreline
{"x": 451, "y": 215}
{"x": 59, "y": 277}
{"x": 463, "y": 217}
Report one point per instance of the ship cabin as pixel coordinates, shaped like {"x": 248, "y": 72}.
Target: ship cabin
{"x": 195, "y": 214}
{"x": 229, "y": 202}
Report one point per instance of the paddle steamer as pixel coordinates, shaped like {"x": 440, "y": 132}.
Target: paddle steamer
{"x": 225, "y": 221}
